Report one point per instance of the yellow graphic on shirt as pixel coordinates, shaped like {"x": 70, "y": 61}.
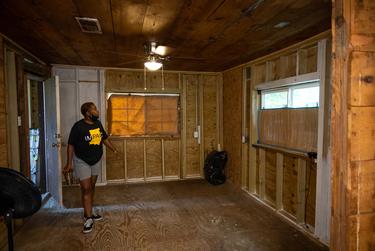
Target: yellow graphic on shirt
{"x": 96, "y": 136}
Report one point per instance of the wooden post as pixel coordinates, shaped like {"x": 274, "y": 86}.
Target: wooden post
{"x": 279, "y": 180}
{"x": 125, "y": 161}
{"x": 323, "y": 203}
{"x": 255, "y": 100}
{"x": 353, "y": 124}
{"x": 301, "y": 186}
{"x": 244, "y": 129}
{"x": 163, "y": 159}
{"x": 262, "y": 173}
{"x": 183, "y": 85}
{"x": 200, "y": 106}
{"x": 144, "y": 160}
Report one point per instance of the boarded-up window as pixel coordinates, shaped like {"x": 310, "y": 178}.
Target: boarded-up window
{"x": 143, "y": 114}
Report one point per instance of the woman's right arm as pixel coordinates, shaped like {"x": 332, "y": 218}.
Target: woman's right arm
{"x": 69, "y": 159}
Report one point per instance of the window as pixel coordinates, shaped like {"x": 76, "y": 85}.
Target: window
{"x": 305, "y": 96}
{"x": 275, "y": 99}
{"x": 296, "y": 96}
{"x": 143, "y": 114}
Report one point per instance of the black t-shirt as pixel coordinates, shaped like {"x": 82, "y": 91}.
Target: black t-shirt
{"x": 88, "y": 141}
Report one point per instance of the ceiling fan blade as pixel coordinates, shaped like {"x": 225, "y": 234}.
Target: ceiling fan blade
{"x": 163, "y": 50}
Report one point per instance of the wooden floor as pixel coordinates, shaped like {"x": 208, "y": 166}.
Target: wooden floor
{"x": 184, "y": 215}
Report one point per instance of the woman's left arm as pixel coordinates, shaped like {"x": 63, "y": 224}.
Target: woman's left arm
{"x": 108, "y": 144}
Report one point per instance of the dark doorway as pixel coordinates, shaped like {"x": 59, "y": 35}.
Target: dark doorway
{"x": 36, "y": 131}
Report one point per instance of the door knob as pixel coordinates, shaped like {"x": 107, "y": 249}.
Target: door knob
{"x": 56, "y": 144}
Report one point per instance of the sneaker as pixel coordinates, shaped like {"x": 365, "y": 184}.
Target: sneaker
{"x": 87, "y": 226}
{"x": 97, "y": 217}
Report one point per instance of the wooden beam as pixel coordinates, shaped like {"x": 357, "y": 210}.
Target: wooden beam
{"x": 352, "y": 120}
{"x": 125, "y": 161}
{"x": 262, "y": 173}
{"x": 254, "y": 137}
{"x": 162, "y": 159}
{"x": 301, "y": 196}
{"x": 323, "y": 186}
{"x": 201, "y": 108}
{"x": 184, "y": 125}
{"x": 279, "y": 180}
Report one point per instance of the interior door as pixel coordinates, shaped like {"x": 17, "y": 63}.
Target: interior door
{"x": 53, "y": 138}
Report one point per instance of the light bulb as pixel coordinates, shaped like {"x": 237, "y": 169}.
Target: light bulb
{"x": 153, "y": 65}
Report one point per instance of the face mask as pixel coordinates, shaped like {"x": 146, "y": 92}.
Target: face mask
{"x": 93, "y": 117}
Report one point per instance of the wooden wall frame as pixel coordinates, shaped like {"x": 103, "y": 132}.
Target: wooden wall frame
{"x": 206, "y": 81}
{"x": 321, "y": 228}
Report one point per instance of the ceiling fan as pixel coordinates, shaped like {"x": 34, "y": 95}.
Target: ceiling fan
{"x": 155, "y": 56}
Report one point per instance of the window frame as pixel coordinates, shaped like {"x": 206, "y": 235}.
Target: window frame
{"x": 270, "y": 91}
{"x": 148, "y": 94}
{"x": 289, "y": 89}
{"x": 302, "y": 86}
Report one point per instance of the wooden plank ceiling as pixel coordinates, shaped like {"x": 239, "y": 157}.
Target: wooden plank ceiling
{"x": 207, "y": 35}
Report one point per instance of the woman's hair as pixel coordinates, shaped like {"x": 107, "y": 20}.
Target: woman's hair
{"x": 85, "y": 107}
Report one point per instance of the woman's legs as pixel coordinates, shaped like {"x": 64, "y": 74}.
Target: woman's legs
{"x": 93, "y": 182}
{"x": 87, "y": 196}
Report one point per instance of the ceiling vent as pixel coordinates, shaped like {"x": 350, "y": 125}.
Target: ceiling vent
{"x": 89, "y": 25}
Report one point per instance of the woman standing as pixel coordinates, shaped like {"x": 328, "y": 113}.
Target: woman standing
{"x": 84, "y": 154}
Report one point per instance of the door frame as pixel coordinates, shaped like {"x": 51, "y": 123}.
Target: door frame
{"x": 57, "y": 141}
{"x": 43, "y": 175}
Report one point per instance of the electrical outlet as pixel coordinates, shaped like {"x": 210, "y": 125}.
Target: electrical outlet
{"x": 196, "y": 134}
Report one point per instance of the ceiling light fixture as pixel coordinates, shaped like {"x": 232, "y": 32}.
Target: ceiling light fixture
{"x": 281, "y": 25}
{"x": 153, "y": 64}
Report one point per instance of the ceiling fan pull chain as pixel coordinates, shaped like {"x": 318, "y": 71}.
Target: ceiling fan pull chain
{"x": 162, "y": 77}
{"x": 144, "y": 77}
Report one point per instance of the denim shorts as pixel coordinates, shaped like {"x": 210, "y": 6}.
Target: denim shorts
{"x": 82, "y": 170}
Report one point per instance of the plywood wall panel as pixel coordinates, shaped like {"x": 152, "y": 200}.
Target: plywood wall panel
{"x": 172, "y": 157}
{"x": 362, "y": 69}
{"x": 362, "y": 25}
{"x": 289, "y": 65}
{"x": 290, "y": 185}
{"x": 310, "y": 192}
{"x": 193, "y": 167}
{"x": 232, "y": 114}
{"x": 153, "y": 158}
{"x": 135, "y": 158}
{"x": 366, "y": 240}
{"x": 128, "y": 80}
{"x": 121, "y": 80}
{"x": 274, "y": 69}
{"x": 361, "y": 201}
{"x": 362, "y": 146}
{"x": 308, "y": 61}
{"x": 198, "y": 101}
{"x": 210, "y": 111}
{"x": 154, "y": 80}
{"x": 115, "y": 162}
{"x": 291, "y": 128}
{"x": 270, "y": 177}
{"x": 259, "y": 73}
{"x": 171, "y": 81}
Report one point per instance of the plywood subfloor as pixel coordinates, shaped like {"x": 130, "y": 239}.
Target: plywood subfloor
{"x": 184, "y": 215}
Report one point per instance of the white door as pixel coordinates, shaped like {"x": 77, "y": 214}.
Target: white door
{"x": 53, "y": 137}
